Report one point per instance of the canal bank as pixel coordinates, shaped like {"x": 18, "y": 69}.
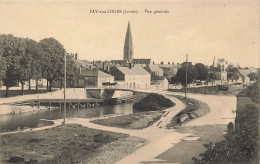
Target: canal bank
{"x": 21, "y": 117}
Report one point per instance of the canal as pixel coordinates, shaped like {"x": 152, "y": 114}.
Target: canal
{"x": 32, "y": 119}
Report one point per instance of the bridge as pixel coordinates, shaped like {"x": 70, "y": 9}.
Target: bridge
{"x": 75, "y": 98}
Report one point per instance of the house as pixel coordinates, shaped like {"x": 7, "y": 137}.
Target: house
{"x": 219, "y": 74}
{"x": 129, "y": 77}
{"x": 154, "y": 69}
{"x": 244, "y": 73}
{"x": 169, "y": 70}
{"x": 237, "y": 78}
{"x": 92, "y": 78}
{"x": 222, "y": 75}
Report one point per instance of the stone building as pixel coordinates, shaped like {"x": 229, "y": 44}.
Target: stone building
{"x": 131, "y": 77}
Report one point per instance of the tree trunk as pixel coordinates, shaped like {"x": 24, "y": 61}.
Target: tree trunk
{"x": 7, "y": 91}
{"x": 47, "y": 85}
{"x": 50, "y": 86}
{"x": 22, "y": 87}
{"x": 37, "y": 85}
{"x": 29, "y": 84}
{"x": 60, "y": 85}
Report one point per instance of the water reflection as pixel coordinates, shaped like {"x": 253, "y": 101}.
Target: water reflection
{"x": 31, "y": 119}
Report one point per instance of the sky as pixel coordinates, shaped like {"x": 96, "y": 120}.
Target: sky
{"x": 202, "y": 29}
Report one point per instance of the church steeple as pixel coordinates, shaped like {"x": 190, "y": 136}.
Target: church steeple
{"x": 128, "y": 48}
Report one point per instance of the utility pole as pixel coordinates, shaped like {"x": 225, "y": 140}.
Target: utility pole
{"x": 213, "y": 73}
{"x": 186, "y": 75}
{"x": 64, "y": 88}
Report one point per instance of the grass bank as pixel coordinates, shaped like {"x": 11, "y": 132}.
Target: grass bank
{"x": 67, "y": 144}
{"x": 151, "y": 105}
{"x": 132, "y": 121}
{"x": 194, "y": 109}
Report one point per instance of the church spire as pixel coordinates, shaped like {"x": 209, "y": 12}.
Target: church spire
{"x": 128, "y": 48}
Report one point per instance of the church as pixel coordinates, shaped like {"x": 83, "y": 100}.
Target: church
{"x": 129, "y": 52}
{"x": 125, "y": 73}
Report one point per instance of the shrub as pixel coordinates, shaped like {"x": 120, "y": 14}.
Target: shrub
{"x": 153, "y": 102}
{"x": 239, "y": 145}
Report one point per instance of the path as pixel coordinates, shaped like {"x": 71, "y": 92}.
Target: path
{"x": 210, "y": 127}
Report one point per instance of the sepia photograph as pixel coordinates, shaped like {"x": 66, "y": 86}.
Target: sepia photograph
{"x": 130, "y": 82}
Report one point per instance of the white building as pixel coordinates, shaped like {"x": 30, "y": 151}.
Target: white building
{"x": 134, "y": 77}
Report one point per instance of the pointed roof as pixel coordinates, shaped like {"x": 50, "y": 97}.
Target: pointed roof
{"x": 128, "y": 47}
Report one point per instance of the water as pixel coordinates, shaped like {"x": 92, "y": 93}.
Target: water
{"x": 31, "y": 119}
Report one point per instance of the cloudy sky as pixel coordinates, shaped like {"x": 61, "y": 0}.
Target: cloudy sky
{"x": 203, "y": 29}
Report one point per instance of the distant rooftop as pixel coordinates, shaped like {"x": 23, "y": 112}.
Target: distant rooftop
{"x": 133, "y": 71}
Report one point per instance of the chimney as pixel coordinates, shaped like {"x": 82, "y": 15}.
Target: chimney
{"x": 162, "y": 63}
{"x": 169, "y": 62}
{"x": 130, "y": 65}
{"x": 76, "y": 56}
{"x": 172, "y": 63}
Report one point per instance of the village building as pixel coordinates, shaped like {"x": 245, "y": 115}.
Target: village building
{"x": 154, "y": 69}
{"x": 218, "y": 74}
{"x": 92, "y": 78}
{"x": 169, "y": 70}
{"x": 133, "y": 77}
{"x": 244, "y": 73}
{"x": 129, "y": 53}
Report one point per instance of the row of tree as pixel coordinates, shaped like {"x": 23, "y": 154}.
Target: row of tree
{"x": 200, "y": 72}
{"x": 197, "y": 72}
{"x": 23, "y": 59}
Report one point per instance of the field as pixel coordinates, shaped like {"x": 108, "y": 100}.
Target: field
{"x": 67, "y": 144}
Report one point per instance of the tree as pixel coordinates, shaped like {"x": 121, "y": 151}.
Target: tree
{"x": 191, "y": 75}
{"x": 53, "y": 60}
{"x": 231, "y": 68}
{"x": 202, "y": 71}
{"x": 3, "y": 67}
{"x": 71, "y": 69}
{"x": 221, "y": 63}
{"x": 12, "y": 49}
{"x": 35, "y": 55}
{"x": 252, "y": 76}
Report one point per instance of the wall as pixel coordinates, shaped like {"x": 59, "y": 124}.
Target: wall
{"x": 137, "y": 81}
{"x": 105, "y": 79}
{"x": 107, "y": 93}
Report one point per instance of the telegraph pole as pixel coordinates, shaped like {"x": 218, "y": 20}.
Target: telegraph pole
{"x": 213, "y": 73}
{"x": 186, "y": 75}
{"x": 64, "y": 88}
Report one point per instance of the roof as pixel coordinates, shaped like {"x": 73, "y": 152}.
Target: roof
{"x": 138, "y": 61}
{"x": 244, "y": 72}
{"x": 154, "y": 67}
{"x": 103, "y": 74}
{"x": 133, "y": 71}
{"x": 80, "y": 63}
{"x": 92, "y": 73}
